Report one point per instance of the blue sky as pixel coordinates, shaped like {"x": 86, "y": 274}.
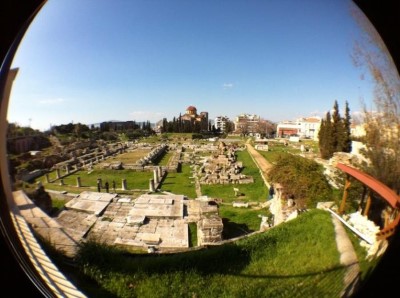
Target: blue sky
{"x": 99, "y": 60}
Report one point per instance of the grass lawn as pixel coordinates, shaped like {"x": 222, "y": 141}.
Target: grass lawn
{"x": 239, "y": 221}
{"x": 277, "y": 148}
{"x": 129, "y": 157}
{"x": 192, "y": 234}
{"x": 163, "y": 161}
{"x": 135, "y": 180}
{"x": 275, "y": 151}
{"x": 255, "y": 192}
{"x": 179, "y": 183}
{"x": 295, "y": 259}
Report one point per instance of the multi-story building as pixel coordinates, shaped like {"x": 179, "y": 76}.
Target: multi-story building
{"x": 221, "y": 122}
{"x": 247, "y": 124}
{"x": 302, "y": 127}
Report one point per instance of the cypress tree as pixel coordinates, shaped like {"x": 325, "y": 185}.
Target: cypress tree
{"x": 337, "y": 129}
{"x": 347, "y": 129}
{"x": 322, "y": 139}
{"x": 326, "y": 139}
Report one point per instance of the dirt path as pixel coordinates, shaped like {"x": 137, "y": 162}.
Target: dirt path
{"x": 263, "y": 165}
{"x": 348, "y": 259}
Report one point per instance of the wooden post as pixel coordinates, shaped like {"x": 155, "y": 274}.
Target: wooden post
{"x": 345, "y": 192}
{"x": 360, "y": 206}
{"x": 367, "y": 204}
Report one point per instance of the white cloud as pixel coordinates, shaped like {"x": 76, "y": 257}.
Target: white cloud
{"x": 52, "y": 101}
{"x": 227, "y": 85}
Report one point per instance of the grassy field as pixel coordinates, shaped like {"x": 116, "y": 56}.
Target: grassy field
{"x": 179, "y": 183}
{"x": 130, "y": 157}
{"x": 277, "y": 148}
{"x": 295, "y": 259}
{"x": 255, "y": 192}
{"x": 135, "y": 180}
{"x": 163, "y": 161}
{"x": 239, "y": 221}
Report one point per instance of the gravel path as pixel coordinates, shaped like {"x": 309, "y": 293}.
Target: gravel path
{"x": 348, "y": 258}
{"x": 263, "y": 165}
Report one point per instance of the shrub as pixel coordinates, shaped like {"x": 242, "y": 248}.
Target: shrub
{"x": 301, "y": 178}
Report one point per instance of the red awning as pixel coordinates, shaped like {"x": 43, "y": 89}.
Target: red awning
{"x": 384, "y": 191}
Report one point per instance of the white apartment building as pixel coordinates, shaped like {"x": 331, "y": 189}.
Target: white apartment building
{"x": 302, "y": 127}
{"x": 221, "y": 122}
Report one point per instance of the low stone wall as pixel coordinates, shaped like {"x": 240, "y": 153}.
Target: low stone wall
{"x": 57, "y": 195}
{"x": 174, "y": 161}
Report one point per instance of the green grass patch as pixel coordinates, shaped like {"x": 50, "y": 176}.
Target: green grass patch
{"x": 135, "y": 180}
{"x": 129, "y": 157}
{"x": 59, "y": 204}
{"x": 255, "y": 192}
{"x": 295, "y": 259}
{"x": 276, "y": 149}
{"x": 179, "y": 183}
{"x": 164, "y": 159}
{"x": 240, "y": 221}
{"x": 273, "y": 155}
{"x": 192, "y": 234}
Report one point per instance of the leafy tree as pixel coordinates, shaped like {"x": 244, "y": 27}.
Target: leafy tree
{"x": 243, "y": 128}
{"x": 334, "y": 134}
{"x": 301, "y": 178}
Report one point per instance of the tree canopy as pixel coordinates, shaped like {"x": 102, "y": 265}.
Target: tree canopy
{"x": 301, "y": 179}
{"x": 335, "y": 132}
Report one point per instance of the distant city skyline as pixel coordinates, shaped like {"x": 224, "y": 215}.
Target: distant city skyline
{"x": 94, "y": 61}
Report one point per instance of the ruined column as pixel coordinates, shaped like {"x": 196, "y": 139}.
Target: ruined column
{"x": 155, "y": 176}
{"x": 58, "y": 173}
{"x": 124, "y": 184}
{"x": 78, "y": 182}
{"x": 67, "y": 169}
{"x": 61, "y": 182}
{"x": 159, "y": 172}
{"x": 47, "y": 178}
{"x": 151, "y": 185}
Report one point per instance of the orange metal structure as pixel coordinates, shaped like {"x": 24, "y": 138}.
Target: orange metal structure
{"x": 381, "y": 189}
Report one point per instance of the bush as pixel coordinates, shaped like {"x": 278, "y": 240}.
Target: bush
{"x": 302, "y": 179}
